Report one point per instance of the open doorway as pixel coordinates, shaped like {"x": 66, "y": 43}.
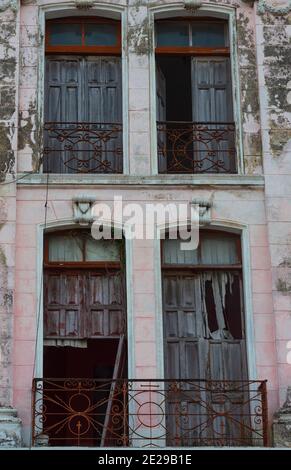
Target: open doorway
{"x": 85, "y": 352}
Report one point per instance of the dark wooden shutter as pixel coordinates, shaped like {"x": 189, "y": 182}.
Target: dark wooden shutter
{"x": 190, "y": 353}
{"x": 84, "y": 304}
{"x": 105, "y": 305}
{"x": 212, "y": 104}
{"x": 161, "y": 117}
{"x": 63, "y": 103}
{"x": 63, "y": 302}
{"x": 103, "y": 105}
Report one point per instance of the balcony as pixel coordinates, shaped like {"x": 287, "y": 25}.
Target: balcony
{"x": 75, "y": 147}
{"x": 149, "y": 413}
{"x": 193, "y": 147}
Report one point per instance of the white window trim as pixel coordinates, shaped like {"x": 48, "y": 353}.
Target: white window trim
{"x": 64, "y": 224}
{"x": 178, "y": 10}
{"x": 65, "y": 9}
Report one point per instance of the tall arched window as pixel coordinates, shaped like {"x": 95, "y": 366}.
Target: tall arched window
{"x": 204, "y": 342}
{"x": 83, "y": 103}
{"x": 85, "y": 353}
{"x": 195, "y": 128}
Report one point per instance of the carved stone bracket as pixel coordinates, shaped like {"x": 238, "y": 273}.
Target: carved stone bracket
{"x": 192, "y": 5}
{"x": 265, "y": 6}
{"x": 82, "y": 208}
{"x": 84, "y": 4}
{"x": 204, "y": 210}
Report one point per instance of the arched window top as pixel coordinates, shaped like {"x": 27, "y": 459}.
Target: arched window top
{"x": 78, "y": 247}
{"x": 192, "y": 36}
{"x": 215, "y": 249}
{"x": 83, "y": 35}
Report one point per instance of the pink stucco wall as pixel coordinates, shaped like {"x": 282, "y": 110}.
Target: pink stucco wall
{"x": 261, "y": 205}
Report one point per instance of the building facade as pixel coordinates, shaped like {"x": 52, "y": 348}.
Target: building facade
{"x": 135, "y": 342}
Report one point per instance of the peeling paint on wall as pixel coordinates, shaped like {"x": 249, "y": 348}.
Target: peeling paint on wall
{"x": 7, "y": 158}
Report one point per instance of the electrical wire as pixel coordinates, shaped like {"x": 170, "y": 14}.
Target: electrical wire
{"x": 40, "y": 297}
{"x": 20, "y": 178}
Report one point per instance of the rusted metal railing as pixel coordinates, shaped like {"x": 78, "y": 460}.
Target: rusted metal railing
{"x": 140, "y": 413}
{"x": 82, "y": 147}
{"x": 196, "y": 147}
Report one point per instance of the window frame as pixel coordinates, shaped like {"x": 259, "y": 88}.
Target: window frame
{"x": 83, "y": 49}
{"x": 194, "y": 50}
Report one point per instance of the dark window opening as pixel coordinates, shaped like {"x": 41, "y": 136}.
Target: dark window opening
{"x": 196, "y": 132}
{"x": 85, "y": 352}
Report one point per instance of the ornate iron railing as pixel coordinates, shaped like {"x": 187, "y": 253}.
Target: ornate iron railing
{"x": 149, "y": 413}
{"x": 82, "y": 147}
{"x": 196, "y": 147}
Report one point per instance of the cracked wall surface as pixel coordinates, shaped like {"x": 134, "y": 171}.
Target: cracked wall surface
{"x": 263, "y": 96}
{"x": 274, "y": 66}
{"x": 9, "y": 48}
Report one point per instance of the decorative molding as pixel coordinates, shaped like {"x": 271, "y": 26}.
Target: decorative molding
{"x": 204, "y": 210}
{"x": 84, "y": 4}
{"x": 192, "y": 5}
{"x": 264, "y": 7}
{"x": 5, "y": 5}
{"x": 82, "y": 208}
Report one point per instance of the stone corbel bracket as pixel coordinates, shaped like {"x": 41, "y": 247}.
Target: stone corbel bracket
{"x": 265, "y": 7}
{"x": 84, "y": 4}
{"x": 82, "y": 209}
{"x": 192, "y": 5}
{"x": 204, "y": 211}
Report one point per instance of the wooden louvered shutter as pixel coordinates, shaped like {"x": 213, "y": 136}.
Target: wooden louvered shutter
{"x": 161, "y": 117}
{"x": 63, "y": 103}
{"x": 212, "y": 104}
{"x": 63, "y": 301}
{"x": 103, "y": 106}
{"x": 105, "y": 305}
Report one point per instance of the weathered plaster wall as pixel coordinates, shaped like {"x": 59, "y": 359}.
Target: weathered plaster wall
{"x": 273, "y": 33}
{"x": 9, "y": 45}
{"x": 268, "y": 124}
{"x": 242, "y": 206}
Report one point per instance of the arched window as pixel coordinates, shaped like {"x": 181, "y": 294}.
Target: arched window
{"x": 84, "y": 337}
{"x": 196, "y": 132}
{"x": 83, "y": 102}
{"x": 204, "y": 341}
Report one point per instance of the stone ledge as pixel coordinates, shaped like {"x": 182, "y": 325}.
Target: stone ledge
{"x": 131, "y": 180}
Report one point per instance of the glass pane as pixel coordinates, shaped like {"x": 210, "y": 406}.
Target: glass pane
{"x": 102, "y": 250}
{"x": 208, "y": 35}
{"x": 172, "y": 34}
{"x": 216, "y": 250}
{"x": 211, "y": 250}
{"x": 174, "y": 255}
{"x": 100, "y": 35}
{"x": 65, "y": 34}
{"x": 65, "y": 248}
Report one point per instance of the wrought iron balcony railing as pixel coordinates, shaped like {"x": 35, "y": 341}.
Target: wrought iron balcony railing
{"x": 141, "y": 413}
{"x": 82, "y": 147}
{"x": 196, "y": 147}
